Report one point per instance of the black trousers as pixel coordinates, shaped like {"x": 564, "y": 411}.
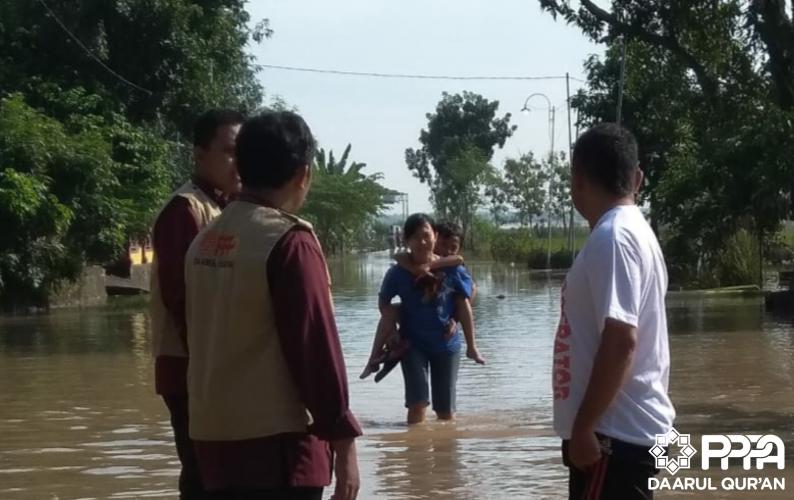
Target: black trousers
{"x": 190, "y": 487}
{"x": 621, "y": 474}
{"x": 269, "y": 494}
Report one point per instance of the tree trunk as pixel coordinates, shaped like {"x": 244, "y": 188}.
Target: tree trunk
{"x": 654, "y": 220}
{"x": 564, "y": 225}
{"x": 761, "y": 259}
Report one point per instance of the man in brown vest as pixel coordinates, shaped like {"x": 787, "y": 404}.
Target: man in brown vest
{"x": 268, "y": 388}
{"x": 185, "y": 213}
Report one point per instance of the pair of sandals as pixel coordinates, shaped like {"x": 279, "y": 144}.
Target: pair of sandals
{"x": 391, "y": 355}
{"x": 394, "y": 351}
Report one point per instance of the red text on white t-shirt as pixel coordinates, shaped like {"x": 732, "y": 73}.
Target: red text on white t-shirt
{"x": 561, "y": 375}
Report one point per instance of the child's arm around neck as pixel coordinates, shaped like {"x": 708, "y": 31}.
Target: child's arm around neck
{"x": 404, "y": 259}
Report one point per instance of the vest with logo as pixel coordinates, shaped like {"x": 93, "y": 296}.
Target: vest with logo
{"x": 238, "y": 380}
{"x": 166, "y": 340}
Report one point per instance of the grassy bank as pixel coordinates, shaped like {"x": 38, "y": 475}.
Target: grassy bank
{"x": 530, "y": 247}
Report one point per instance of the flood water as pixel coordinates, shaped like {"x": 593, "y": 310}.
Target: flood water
{"x": 79, "y": 418}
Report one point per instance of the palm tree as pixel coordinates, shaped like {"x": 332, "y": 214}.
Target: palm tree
{"x": 343, "y": 200}
{"x": 327, "y": 164}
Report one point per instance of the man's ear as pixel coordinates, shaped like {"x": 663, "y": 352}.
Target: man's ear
{"x": 198, "y": 156}
{"x": 639, "y": 178}
{"x": 306, "y": 177}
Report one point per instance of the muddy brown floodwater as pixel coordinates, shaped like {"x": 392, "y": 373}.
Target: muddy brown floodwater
{"x": 79, "y": 419}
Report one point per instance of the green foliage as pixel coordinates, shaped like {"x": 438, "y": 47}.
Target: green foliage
{"x": 457, "y": 147}
{"x": 92, "y": 132}
{"x": 375, "y": 237}
{"x": 69, "y": 193}
{"x": 143, "y": 169}
{"x": 527, "y": 247}
{"x": 525, "y": 181}
{"x": 560, "y": 196}
{"x": 484, "y": 232}
{"x": 496, "y": 197}
{"x": 714, "y": 121}
{"x": 512, "y": 245}
{"x": 34, "y": 222}
{"x": 739, "y": 263}
{"x": 189, "y": 55}
{"x": 535, "y": 189}
{"x": 779, "y": 249}
{"x": 343, "y": 202}
{"x": 461, "y": 194}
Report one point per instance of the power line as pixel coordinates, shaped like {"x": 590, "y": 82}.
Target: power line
{"x": 309, "y": 70}
{"x": 413, "y": 76}
{"x": 90, "y": 53}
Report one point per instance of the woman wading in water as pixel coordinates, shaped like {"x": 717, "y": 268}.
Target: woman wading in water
{"x": 427, "y": 310}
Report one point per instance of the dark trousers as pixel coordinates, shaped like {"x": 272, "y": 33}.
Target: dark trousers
{"x": 269, "y": 494}
{"x": 621, "y": 474}
{"x": 190, "y": 487}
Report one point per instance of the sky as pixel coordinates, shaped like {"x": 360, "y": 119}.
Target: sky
{"x": 383, "y": 117}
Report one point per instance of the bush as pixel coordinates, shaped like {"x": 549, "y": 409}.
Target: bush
{"x": 537, "y": 258}
{"x": 739, "y": 262}
{"x": 480, "y": 238}
{"x": 561, "y": 259}
{"x": 779, "y": 250}
{"x": 519, "y": 246}
{"x": 511, "y": 245}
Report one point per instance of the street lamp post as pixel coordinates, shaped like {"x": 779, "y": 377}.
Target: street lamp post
{"x": 552, "y": 112}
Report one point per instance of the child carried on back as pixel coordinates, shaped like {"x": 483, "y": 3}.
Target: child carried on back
{"x": 388, "y": 344}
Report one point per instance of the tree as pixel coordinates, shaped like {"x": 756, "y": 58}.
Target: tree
{"x": 713, "y": 122}
{"x": 70, "y": 193}
{"x": 496, "y": 194}
{"x": 525, "y": 185}
{"x": 343, "y": 202}
{"x": 559, "y": 172}
{"x": 657, "y": 110}
{"x": 97, "y": 100}
{"x": 178, "y": 57}
{"x": 457, "y": 147}
{"x": 534, "y": 187}
{"x": 462, "y": 194}
{"x": 743, "y": 34}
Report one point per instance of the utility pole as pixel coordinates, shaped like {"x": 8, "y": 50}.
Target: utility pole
{"x": 552, "y": 115}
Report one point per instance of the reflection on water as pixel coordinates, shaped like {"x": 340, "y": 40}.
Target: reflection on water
{"x": 78, "y": 417}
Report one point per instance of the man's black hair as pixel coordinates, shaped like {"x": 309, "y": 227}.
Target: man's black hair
{"x": 207, "y": 125}
{"x": 272, "y": 147}
{"x": 607, "y": 155}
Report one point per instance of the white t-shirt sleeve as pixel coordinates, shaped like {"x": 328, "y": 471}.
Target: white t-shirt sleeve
{"x": 615, "y": 281}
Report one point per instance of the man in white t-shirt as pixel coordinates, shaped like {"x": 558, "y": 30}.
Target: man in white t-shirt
{"x": 611, "y": 356}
